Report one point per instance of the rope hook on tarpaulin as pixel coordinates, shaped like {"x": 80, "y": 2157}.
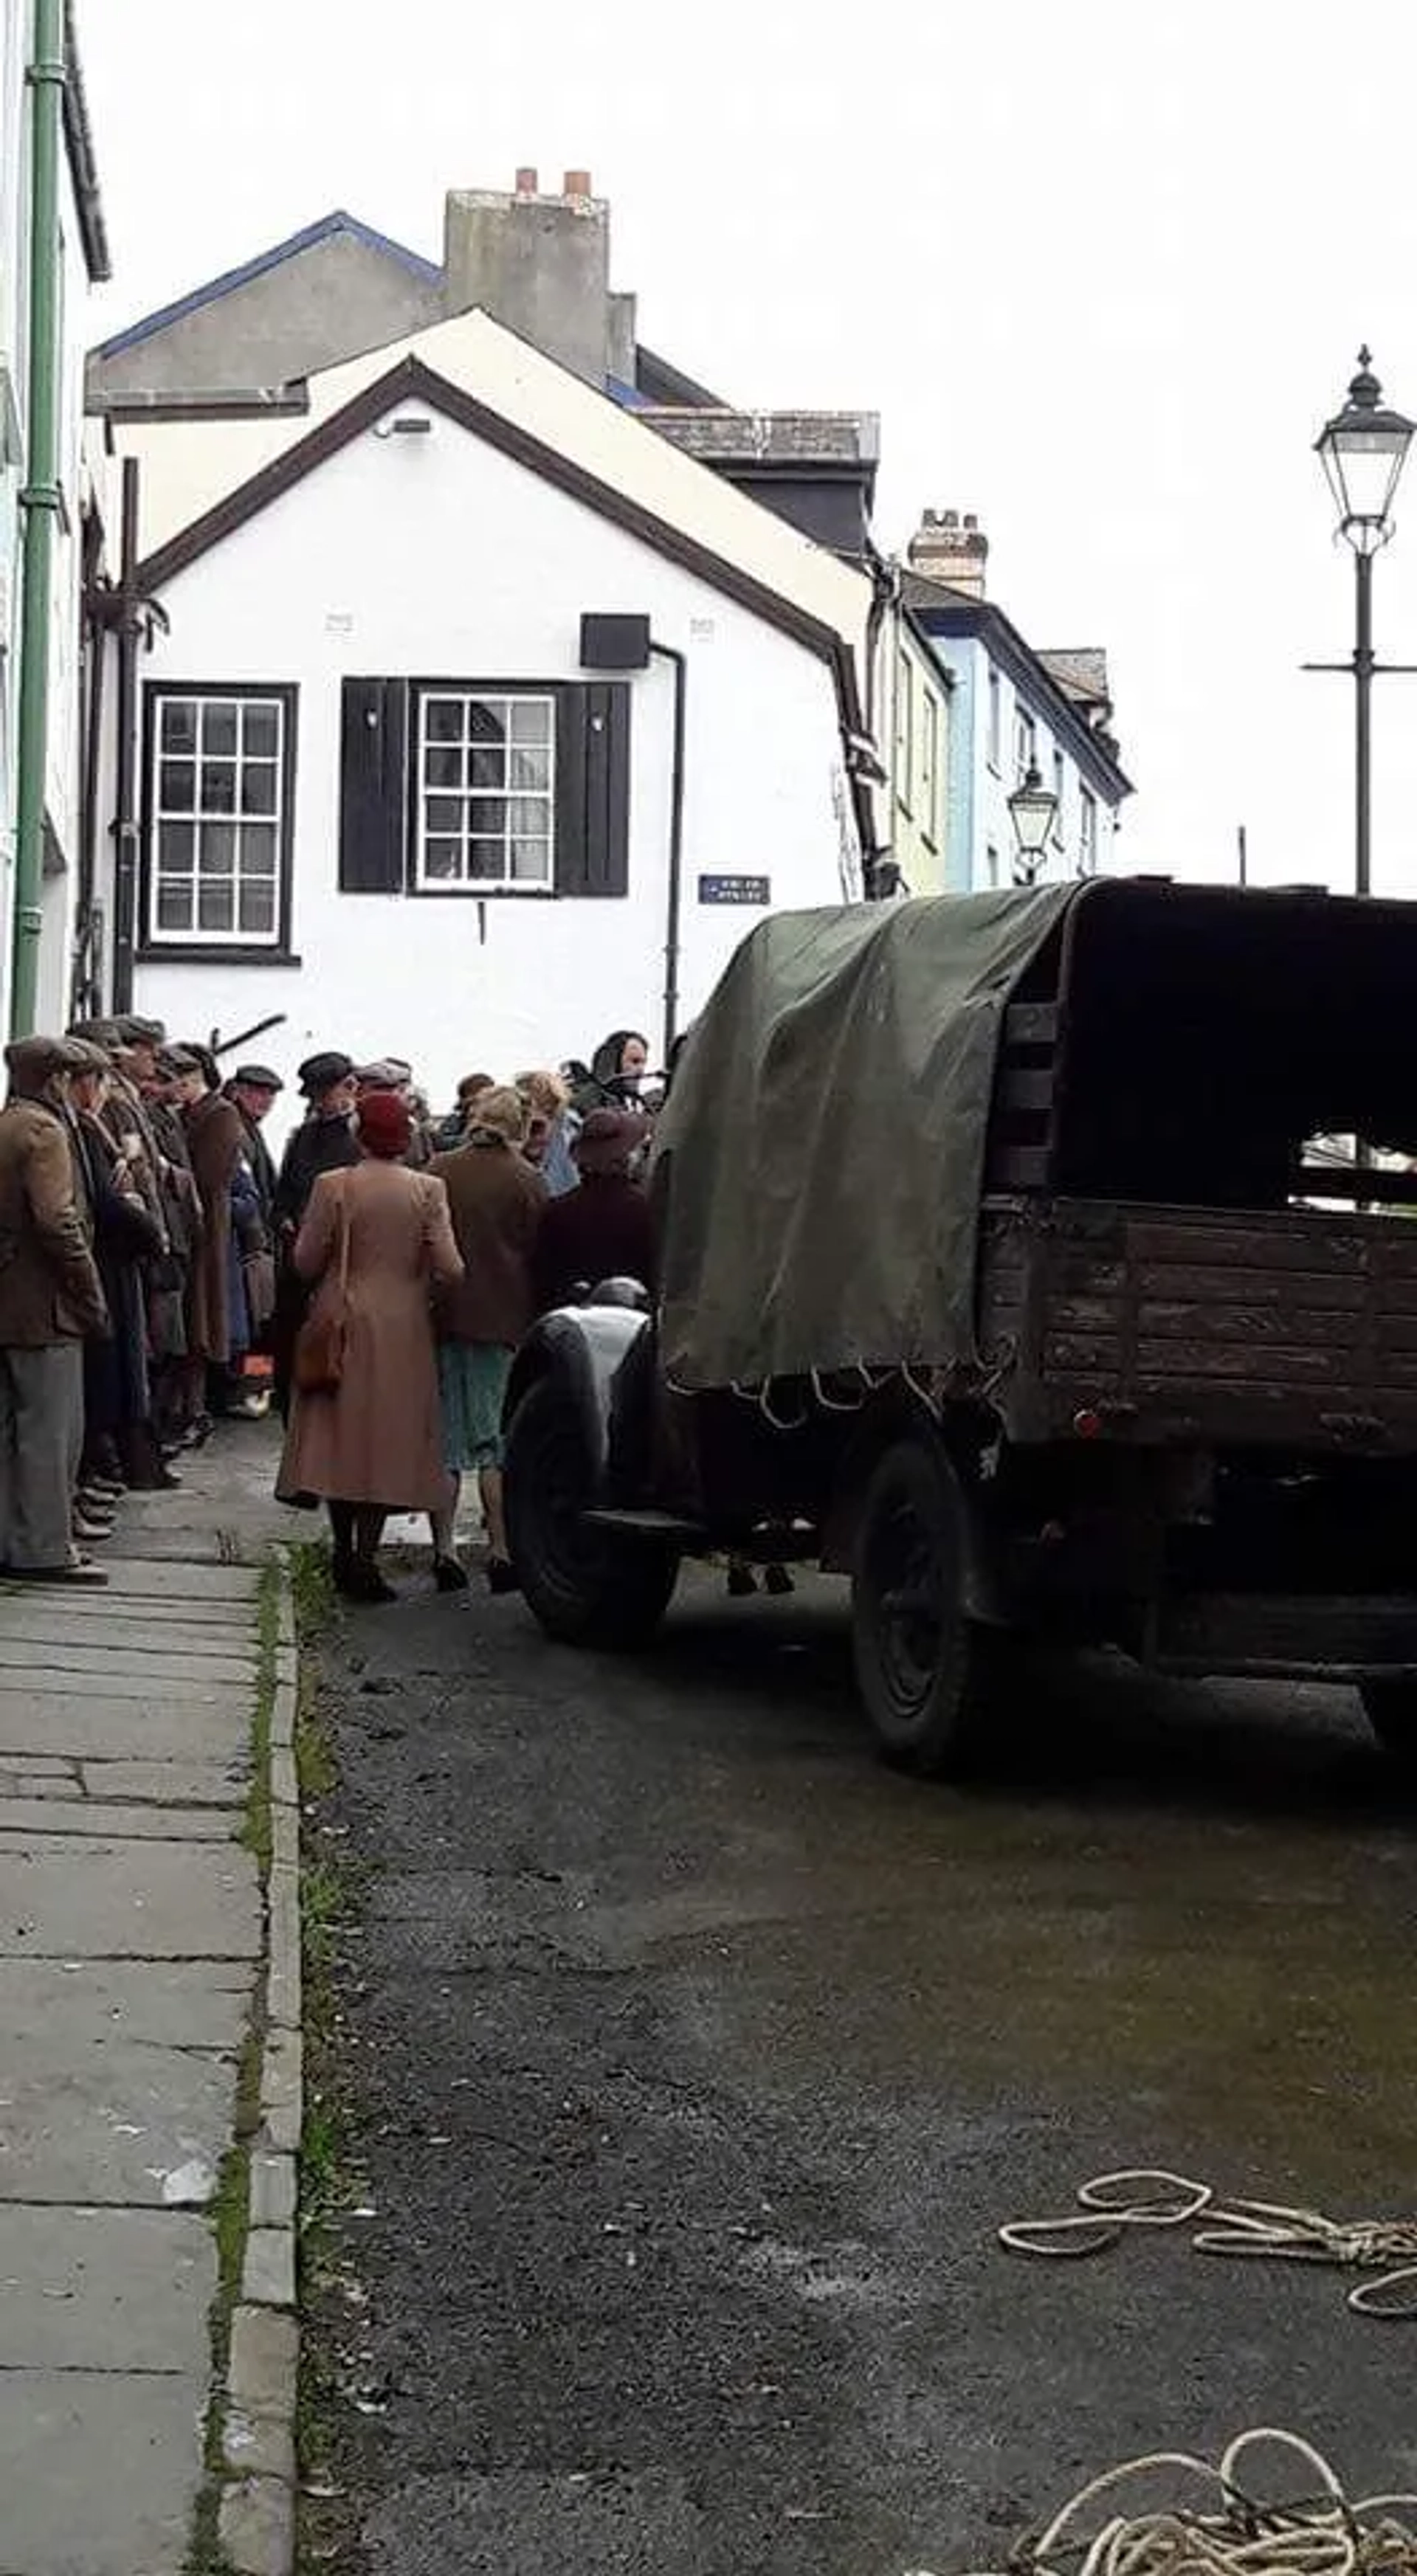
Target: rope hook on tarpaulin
{"x": 1230, "y": 2528}
{"x": 1113, "y": 2203}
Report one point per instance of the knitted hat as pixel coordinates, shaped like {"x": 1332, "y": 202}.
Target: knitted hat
{"x": 384, "y": 1126}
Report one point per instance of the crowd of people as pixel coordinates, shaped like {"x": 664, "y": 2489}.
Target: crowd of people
{"x": 381, "y": 1276}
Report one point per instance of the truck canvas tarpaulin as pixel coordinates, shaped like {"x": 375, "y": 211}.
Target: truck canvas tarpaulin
{"x": 819, "y": 1162}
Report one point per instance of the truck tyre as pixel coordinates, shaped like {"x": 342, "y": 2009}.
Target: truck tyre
{"x": 1391, "y": 1710}
{"x": 919, "y": 1659}
{"x": 586, "y": 1586}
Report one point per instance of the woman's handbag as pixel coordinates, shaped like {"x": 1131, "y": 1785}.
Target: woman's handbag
{"x": 318, "y": 1363}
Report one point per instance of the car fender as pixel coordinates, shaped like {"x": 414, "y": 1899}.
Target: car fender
{"x": 584, "y": 1348}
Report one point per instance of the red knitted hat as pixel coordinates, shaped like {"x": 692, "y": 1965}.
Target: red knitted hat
{"x": 385, "y": 1127}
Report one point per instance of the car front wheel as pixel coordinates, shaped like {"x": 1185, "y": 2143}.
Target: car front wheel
{"x": 586, "y": 1586}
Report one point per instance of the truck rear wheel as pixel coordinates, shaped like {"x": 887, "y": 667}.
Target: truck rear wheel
{"x": 1391, "y": 1710}
{"x": 586, "y": 1586}
{"x": 919, "y": 1658}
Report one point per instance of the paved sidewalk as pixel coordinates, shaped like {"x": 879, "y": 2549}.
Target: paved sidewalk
{"x": 131, "y": 1944}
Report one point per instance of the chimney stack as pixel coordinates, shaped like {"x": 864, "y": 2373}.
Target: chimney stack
{"x": 539, "y": 265}
{"x": 951, "y": 547}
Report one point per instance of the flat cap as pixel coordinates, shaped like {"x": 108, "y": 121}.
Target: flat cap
{"x": 320, "y": 1072}
{"x": 258, "y": 1077}
{"x": 387, "y": 1073}
{"x": 102, "y": 1033}
{"x": 38, "y": 1059}
{"x": 92, "y": 1057}
{"x": 133, "y": 1031}
{"x": 178, "y": 1059}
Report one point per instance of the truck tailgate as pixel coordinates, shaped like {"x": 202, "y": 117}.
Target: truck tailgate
{"x": 1295, "y": 1326}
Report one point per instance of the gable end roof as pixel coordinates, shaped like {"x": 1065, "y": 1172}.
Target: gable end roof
{"x": 411, "y": 380}
{"x": 328, "y": 228}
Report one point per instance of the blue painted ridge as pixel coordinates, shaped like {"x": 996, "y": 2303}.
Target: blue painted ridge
{"x": 325, "y": 230}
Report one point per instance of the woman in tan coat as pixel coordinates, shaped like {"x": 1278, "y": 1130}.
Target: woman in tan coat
{"x": 373, "y": 1445}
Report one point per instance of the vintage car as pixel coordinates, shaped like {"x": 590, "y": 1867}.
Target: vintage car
{"x": 1039, "y": 1261}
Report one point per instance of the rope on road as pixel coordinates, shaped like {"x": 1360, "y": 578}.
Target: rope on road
{"x": 1114, "y": 2202}
{"x": 1230, "y": 2530}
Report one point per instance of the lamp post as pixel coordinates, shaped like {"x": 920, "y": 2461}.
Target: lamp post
{"x": 1033, "y": 807}
{"x": 1363, "y": 450}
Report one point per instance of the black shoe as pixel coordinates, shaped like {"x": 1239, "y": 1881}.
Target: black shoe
{"x": 741, "y": 1581}
{"x": 778, "y": 1582}
{"x": 502, "y": 1576}
{"x": 364, "y": 1582}
{"x": 449, "y": 1575}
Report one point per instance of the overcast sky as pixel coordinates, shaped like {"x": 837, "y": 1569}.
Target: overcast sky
{"x": 1102, "y": 271}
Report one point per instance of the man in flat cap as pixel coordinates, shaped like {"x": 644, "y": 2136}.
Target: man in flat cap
{"x": 50, "y": 1298}
{"x": 254, "y": 1091}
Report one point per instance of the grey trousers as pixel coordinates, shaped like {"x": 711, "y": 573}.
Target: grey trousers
{"x": 41, "y": 1436}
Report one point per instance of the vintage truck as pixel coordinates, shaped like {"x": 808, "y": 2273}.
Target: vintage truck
{"x": 1039, "y": 1261}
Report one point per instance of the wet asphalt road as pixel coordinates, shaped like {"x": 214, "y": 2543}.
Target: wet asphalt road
{"x": 694, "y": 2059}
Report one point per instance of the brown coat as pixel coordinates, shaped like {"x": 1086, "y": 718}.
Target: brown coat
{"x": 378, "y": 1440}
{"x": 497, "y": 1203}
{"x": 215, "y": 1142}
{"x": 49, "y": 1284}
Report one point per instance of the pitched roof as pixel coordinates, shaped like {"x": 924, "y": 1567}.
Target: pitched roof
{"x": 328, "y": 228}
{"x": 411, "y": 380}
{"x": 1080, "y": 671}
{"x": 944, "y": 611}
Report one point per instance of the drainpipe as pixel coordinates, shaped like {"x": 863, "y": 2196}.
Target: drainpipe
{"x": 125, "y": 713}
{"x": 675, "y": 895}
{"x": 40, "y": 501}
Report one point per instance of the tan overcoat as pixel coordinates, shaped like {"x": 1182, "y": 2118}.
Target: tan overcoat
{"x": 378, "y": 1439}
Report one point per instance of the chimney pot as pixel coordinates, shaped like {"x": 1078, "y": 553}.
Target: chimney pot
{"x": 577, "y": 183}
{"x": 948, "y": 519}
{"x": 970, "y": 520}
{"x": 528, "y": 182}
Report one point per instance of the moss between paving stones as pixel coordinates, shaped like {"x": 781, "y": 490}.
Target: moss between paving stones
{"x": 230, "y": 2210}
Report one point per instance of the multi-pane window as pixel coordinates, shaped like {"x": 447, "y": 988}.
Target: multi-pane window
{"x": 1025, "y": 742}
{"x": 930, "y": 765}
{"x": 904, "y": 731}
{"x": 218, "y": 820}
{"x": 486, "y": 789}
{"x": 1087, "y": 832}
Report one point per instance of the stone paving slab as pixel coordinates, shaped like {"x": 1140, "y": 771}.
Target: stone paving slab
{"x": 51, "y": 1722}
{"x": 74, "y": 1613}
{"x": 72, "y": 1813}
{"x": 165, "y": 1682}
{"x": 98, "y": 2472}
{"x": 106, "y": 2118}
{"x": 176, "y": 1665}
{"x": 201, "y": 2004}
{"x": 65, "y": 1897}
{"x": 137, "y": 1578}
{"x": 175, "y": 1783}
{"x": 105, "y": 2289}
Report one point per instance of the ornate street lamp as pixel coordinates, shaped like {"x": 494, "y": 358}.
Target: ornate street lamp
{"x": 1033, "y": 807}
{"x": 1363, "y": 450}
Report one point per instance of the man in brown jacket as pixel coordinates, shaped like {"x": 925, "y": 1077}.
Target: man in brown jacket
{"x": 50, "y": 1298}
{"x": 497, "y": 1204}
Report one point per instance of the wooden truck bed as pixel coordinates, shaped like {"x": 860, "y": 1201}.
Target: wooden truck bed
{"x": 1294, "y": 1328}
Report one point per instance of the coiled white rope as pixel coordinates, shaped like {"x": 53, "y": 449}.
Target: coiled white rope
{"x": 1114, "y": 2202}
{"x": 1315, "y": 2530}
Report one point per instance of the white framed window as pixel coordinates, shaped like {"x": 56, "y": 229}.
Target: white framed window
{"x": 930, "y": 766}
{"x": 1025, "y": 741}
{"x": 1087, "y": 832}
{"x": 485, "y": 786}
{"x": 995, "y": 736}
{"x": 1060, "y": 783}
{"x": 218, "y": 816}
{"x": 904, "y": 732}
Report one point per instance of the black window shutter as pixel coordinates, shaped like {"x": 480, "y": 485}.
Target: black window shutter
{"x": 373, "y": 815}
{"x": 593, "y": 790}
